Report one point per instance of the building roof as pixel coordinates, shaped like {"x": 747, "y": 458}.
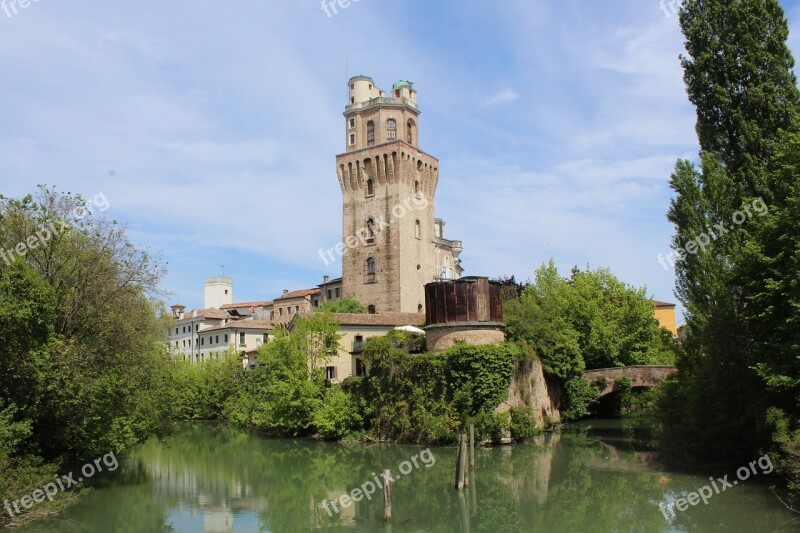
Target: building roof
{"x": 242, "y": 324}
{"x": 205, "y": 313}
{"x": 299, "y": 294}
{"x": 663, "y": 304}
{"x": 379, "y": 319}
{"x": 249, "y": 305}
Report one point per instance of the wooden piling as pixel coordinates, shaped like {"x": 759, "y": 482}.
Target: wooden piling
{"x": 472, "y": 445}
{"x": 466, "y": 461}
{"x": 461, "y": 462}
{"x": 387, "y": 495}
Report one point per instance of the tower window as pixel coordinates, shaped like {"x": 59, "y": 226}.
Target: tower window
{"x": 418, "y": 229}
{"x": 352, "y": 139}
{"x": 370, "y": 133}
{"x": 352, "y": 123}
{"x": 410, "y": 131}
{"x": 391, "y": 129}
{"x": 371, "y": 270}
{"x": 416, "y": 186}
{"x": 370, "y": 187}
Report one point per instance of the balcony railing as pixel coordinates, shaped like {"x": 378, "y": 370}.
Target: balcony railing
{"x": 455, "y": 245}
{"x": 382, "y": 100}
{"x": 358, "y": 346}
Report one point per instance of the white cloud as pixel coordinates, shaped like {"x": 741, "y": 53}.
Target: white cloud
{"x": 503, "y": 97}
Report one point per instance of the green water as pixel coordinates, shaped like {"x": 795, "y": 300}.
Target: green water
{"x": 214, "y": 479}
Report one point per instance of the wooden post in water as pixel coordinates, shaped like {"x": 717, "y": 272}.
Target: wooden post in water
{"x": 461, "y": 462}
{"x": 466, "y": 461}
{"x": 387, "y": 495}
{"x": 472, "y": 445}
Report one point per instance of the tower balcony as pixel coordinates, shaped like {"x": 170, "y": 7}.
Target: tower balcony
{"x": 455, "y": 246}
{"x": 381, "y": 101}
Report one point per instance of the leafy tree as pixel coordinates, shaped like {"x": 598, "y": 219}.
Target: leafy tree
{"x": 345, "y": 305}
{"x": 591, "y": 320}
{"x": 510, "y": 288}
{"x": 284, "y": 392}
{"x": 738, "y": 75}
{"x": 83, "y": 365}
{"x": 541, "y": 317}
{"x": 740, "y": 353}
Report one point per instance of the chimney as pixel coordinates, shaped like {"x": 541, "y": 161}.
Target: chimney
{"x": 285, "y": 292}
{"x": 326, "y": 279}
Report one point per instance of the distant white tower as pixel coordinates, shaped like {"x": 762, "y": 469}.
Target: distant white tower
{"x": 218, "y": 292}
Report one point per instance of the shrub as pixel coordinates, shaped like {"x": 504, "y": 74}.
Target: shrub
{"x": 523, "y": 423}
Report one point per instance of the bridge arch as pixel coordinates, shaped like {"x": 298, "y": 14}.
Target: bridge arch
{"x": 639, "y": 376}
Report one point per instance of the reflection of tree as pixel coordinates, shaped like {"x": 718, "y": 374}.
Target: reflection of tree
{"x": 569, "y": 482}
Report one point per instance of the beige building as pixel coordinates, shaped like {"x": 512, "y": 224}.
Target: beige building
{"x": 244, "y": 336}
{"x": 355, "y": 330}
{"x": 394, "y": 245}
{"x": 184, "y": 335}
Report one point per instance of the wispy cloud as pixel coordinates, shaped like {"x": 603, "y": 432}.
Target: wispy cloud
{"x": 503, "y": 97}
{"x": 221, "y": 123}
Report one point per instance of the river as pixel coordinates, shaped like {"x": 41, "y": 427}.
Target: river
{"x": 593, "y": 478}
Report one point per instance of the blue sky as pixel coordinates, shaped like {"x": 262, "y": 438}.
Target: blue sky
{"x": 212, "y": 127}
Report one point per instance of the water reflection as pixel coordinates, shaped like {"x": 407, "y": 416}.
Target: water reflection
{"x": 222, "y": 480}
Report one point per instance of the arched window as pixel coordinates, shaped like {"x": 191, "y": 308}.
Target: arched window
{"x": 419, "y": 308}
{"x": 418, "y": 229}
{"x": 370, "y": 133}
{"x": 416, "y": 187}
{"x": 370, "y": 231}
{"x": 370, "y": 270}
{"x": 370, "y": 187}
{"x": 371, "y": 309}
{"x": 391, "y": 129}
{"x": 410, "y": 131}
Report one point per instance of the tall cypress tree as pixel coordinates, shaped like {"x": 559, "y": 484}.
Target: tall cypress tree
{"x": 738, "y": 74}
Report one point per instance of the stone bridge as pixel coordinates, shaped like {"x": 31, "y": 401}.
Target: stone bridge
{"x": 640, "y": 376}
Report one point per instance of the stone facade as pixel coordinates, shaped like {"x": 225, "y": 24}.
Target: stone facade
{"x": 442, "y": 337}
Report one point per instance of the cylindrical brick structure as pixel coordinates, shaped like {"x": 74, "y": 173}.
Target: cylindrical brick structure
{"x": 468, "y": 309}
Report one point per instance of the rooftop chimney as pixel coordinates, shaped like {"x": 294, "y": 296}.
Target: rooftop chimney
{"x": 325, "y": 279}
{"x": 285, "y": 292}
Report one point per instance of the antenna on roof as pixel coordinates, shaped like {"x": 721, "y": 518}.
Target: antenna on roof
{"x": 223, "y": 270}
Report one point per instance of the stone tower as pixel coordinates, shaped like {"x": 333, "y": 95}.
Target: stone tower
{"x": 392, "y": 248}
{"x": 218, "y": 292}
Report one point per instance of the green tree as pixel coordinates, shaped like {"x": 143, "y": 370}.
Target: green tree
{"x": 738, "y": 74}
{"x": 345, "y": 305}
{"x": 591, "y": 320}
{"x": 284, "y": 392}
